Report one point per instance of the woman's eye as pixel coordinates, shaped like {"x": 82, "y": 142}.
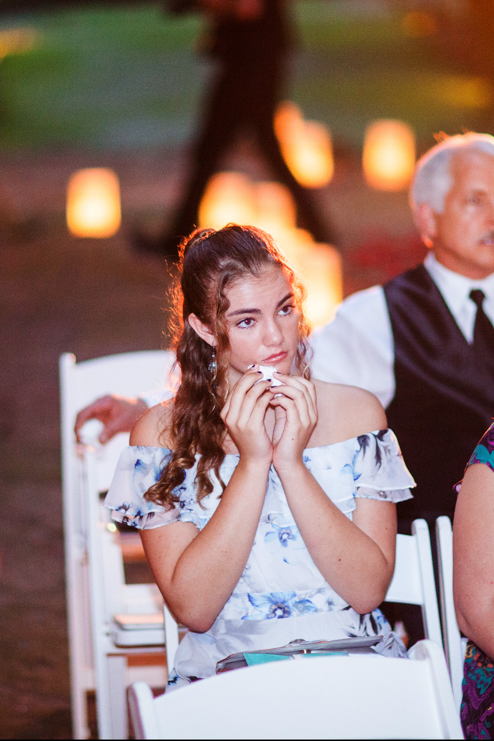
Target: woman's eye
{"x": 248, "y": 322}
{"x": 286, "y": 309}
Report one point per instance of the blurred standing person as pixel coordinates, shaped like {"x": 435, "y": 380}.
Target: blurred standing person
{"x": 249, "y": 39}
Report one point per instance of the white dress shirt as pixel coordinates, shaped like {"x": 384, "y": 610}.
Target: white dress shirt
{"x": 357, "y": 347}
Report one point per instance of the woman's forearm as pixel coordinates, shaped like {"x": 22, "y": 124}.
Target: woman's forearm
{"x": 210, "y": 567}
{"x": 349, "y": 559}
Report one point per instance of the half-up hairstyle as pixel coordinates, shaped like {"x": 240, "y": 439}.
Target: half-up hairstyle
{"x": 211, "y": 261}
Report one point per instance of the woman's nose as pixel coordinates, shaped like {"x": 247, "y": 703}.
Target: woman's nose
{"x": 273, "y": 334}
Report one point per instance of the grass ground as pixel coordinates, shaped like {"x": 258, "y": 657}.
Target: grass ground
{"x": 130, "y": 77}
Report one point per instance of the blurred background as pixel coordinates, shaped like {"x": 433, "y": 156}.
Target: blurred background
{"x": 117, "y": 89}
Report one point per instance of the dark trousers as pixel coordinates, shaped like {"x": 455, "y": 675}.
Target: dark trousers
{"x": 243, "y": 99}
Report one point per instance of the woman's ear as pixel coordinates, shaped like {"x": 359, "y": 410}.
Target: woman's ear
{"x": 202, "y": 330}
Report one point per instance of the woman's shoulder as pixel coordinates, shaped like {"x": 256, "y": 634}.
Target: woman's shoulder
{"x": 346, "y": 412}
{"x": 153, "y": 428}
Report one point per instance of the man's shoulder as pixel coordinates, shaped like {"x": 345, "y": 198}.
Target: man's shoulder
{"x": 417, "y": 276}
{"x": 357, "y": 310}
{"x": 356, "y": 301}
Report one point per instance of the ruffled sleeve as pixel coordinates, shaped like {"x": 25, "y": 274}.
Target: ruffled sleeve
{"x": 137, "y": 470}
{"x": 379, "y": 471}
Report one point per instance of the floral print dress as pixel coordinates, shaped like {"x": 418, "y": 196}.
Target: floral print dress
{"x": 281, "y": 595}
{"x": 477, "y": 708}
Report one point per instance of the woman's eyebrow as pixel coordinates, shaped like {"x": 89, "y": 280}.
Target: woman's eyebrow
{"x": 258, "y": 311}
{"x": 288, "y": 295}
{"x": 244, "y": 311}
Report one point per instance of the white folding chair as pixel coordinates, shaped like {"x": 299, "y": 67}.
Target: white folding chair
{"x": 96, "y": 590}
{"x": 454, "y": 644}
{"x": 323, "y": 697}
{"x": 413, "y": 578}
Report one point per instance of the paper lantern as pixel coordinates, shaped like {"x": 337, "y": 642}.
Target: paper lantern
{"x": 93, "y": 203}
{"x": 229, "y": 197}
{"x": 389, "y": 154}
{"x": 320, "y": 267}
{"x": 233, "y": 197}
{"x": 306, "y": 146}
{"x": 276, "y": 210}
{"x": 18, "y": 40}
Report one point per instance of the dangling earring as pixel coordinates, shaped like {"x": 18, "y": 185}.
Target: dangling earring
{"x": 213, "y": 368}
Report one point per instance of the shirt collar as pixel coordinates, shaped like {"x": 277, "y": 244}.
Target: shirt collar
{"x": 455, "y": 288}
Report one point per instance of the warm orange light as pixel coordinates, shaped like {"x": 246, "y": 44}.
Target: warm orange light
{"x": 418, "y": 23}
{"x": 306, "y": 146}
{"x": 320, "y": 267}
{"x": 389, "y": 154}
{"x": 93, "y": 203}
{"x": 234, "y": 197}
{"x": 275, "y": 207}
{"x": 18, "y": 40}
{"x": 229, "y": 196}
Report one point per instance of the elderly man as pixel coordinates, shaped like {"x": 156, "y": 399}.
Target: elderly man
{"x": 424, "y": 342}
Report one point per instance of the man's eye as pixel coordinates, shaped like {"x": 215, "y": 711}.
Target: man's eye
{"x": 474, "y": 200}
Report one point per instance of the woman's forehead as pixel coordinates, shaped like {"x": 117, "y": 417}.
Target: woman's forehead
{"x": 271, "y": 284}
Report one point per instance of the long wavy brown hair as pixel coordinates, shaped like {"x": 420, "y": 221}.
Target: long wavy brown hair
{"x": 211, "y": 262}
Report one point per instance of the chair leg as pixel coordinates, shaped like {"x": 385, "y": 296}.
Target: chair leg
{"x": 118, "y": 699}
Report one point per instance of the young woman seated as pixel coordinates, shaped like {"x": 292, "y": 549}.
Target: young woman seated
{"x": 267, "y": 513}
{"x": 473, "y": 581}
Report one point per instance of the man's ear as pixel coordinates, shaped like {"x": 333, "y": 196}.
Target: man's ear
{"x": 202, "y": 330}
{"x": 425, "y": 221}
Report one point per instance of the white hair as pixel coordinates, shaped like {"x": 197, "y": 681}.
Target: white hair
{"x": 433, "y": 179}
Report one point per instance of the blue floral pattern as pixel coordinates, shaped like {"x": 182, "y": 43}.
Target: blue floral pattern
{"x": 281, "y": 595}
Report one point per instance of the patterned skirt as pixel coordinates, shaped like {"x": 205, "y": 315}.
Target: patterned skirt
{"x": 477, "y": 707}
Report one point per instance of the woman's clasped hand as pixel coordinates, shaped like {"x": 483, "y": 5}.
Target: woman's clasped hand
{"x": 295, "y": 418}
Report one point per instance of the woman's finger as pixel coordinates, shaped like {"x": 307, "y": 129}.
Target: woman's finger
{"x": 299, "y": 403}
{"x": 299, "y": 395}
{"x": 250, "y": 400}
{"x": 238, "y": 392}
{"x": 303, "y": 385}
{"x": 259, "y": 411}
{"x": 293, "y": 420}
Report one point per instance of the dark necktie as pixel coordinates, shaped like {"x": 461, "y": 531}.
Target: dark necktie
{"x": 483, "y": 331}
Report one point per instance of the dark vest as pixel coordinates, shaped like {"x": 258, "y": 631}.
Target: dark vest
{"x": 444, "y": 398}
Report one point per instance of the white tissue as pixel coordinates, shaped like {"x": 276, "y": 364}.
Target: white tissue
{"x": 268, "y": 372}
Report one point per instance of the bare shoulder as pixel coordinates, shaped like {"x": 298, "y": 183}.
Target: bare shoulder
{"x": 153, "y": 428}
{"x": 346, "y": 412}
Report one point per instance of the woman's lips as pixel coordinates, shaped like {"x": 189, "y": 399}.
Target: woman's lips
{"x": 275, "y": 358}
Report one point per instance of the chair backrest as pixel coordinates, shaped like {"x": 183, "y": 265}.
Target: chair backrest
{"x": 453, "y": 645}
{"x": 317, "y": 697}
{"x": 125, "y": 374}
{"x": 84, "y": 470}
{"x": 413, "y": 578}
{"x": 91, "y": 471}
